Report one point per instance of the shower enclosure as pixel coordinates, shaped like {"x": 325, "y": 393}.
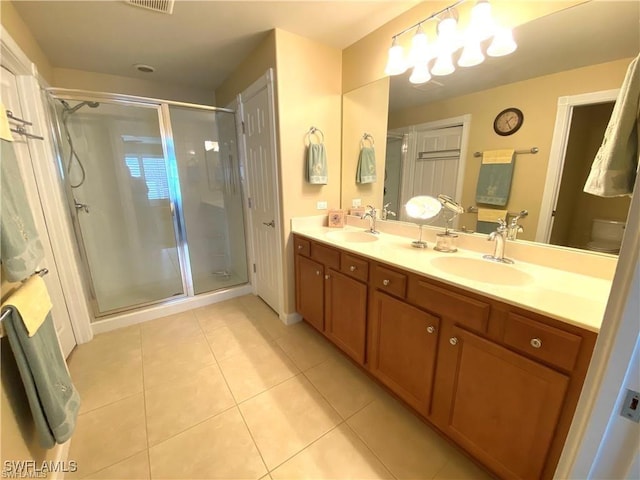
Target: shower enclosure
{"x": 155, "y": 193}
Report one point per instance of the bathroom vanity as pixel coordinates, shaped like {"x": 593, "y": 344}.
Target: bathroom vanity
{"x": 491, "y": 359}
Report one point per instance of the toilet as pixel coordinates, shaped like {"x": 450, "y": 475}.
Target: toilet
{"x": 606, "y": 236}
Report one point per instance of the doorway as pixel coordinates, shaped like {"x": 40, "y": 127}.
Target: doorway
{"x": 575, "y": 210}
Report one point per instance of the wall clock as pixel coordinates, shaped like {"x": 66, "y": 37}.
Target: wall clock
{"x": 508, "y": 121}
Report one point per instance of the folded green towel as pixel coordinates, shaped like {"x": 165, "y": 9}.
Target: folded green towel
{"x": 316, "y": 164}
{"x": 366, "y": 170}
{"x": 20, "y": 247}
{"x": 53, "y": 399}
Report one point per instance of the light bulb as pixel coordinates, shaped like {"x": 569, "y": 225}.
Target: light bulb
{"x": 395, "y": 62}
{"x": 419, "y": 47}
{"x": 420, "y": 74}
{"x": 443, "y": 65}
{"x": 502, "y": 44}
{"x": 482, "y": 25}
{"x": 471, "y": 55}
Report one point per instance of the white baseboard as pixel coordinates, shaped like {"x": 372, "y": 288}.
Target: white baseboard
{"x": 291, "y": 318}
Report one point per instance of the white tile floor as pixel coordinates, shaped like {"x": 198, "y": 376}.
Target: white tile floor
{"x": 229, "y": 392}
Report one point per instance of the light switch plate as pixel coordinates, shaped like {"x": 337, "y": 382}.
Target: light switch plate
{"x": 321, "y": 205}
{"x": 631, "y": 406}
{"x": 356, "y": 202}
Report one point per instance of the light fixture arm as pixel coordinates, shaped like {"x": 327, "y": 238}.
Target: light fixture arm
{"x": 430, "y": 17}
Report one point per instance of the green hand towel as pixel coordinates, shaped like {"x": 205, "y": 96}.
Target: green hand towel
{"x": 52, "y": 397}
{"x": 366, "y": 171}
{"x": 494, "y": 179}
{"x": 20, "y": 247}
{"x": 316, "y": 164}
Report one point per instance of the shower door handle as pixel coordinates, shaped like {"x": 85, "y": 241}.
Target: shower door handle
{"x": 81, "y": 206}
{"x": 271, "y": 224}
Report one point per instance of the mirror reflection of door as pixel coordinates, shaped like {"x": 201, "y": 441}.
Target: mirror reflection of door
{"x": 582, "y": 220}
{"x": 429, "y": 167}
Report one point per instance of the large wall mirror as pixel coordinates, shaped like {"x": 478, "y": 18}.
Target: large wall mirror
{"x": 578, "y": 56}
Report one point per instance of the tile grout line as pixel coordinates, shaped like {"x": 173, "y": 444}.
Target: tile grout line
{"x": 144, "y": 398}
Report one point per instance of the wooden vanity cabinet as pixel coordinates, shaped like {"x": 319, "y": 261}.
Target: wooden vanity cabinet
{"x": 503, "y": 408}
{"x": 500, "y": 381}
{"x": 310, "y": 291}
{"x": 403, "y": 344}
{"x": 331, "y": 294}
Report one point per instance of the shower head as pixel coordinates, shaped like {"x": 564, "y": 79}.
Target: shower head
{"x": 68, "y": 110}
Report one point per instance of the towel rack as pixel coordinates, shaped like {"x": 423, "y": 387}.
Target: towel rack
{"x": 532, "y": 150}
{"x": 315, "y": 131}
{"x": 11, "y": 116}
{"x": 367, "y": 137}
{"x": 20, "y": 129}
{"x": 522, "y": 213}
{"x": 42, "y": 273}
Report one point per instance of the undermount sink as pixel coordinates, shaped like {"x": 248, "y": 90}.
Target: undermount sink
{"x": 480, "y": 270}
{"x": 352, "y": 236}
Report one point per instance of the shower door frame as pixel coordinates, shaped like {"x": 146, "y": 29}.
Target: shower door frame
{"x": 175, "y": 196}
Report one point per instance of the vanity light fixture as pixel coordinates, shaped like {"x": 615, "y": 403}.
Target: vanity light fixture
{"x": 450, "y": 39}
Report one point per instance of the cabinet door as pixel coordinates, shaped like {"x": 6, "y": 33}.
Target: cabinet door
{"x": 402, "y": 349}
{"x": 504, "y": 407}
{"x": 310, "y": 291}
{"x": 346, "y": 314}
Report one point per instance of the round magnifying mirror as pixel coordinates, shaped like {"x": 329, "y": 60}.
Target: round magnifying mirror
{"x": 450, "y": 204}
{"x": 422, "y": 207}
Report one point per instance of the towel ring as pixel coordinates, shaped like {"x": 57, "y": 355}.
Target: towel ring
{"x": 367, "y": 137}
{"x": 317, "y": 132}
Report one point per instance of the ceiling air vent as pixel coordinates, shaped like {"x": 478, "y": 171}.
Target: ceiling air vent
{"x": 162, "y": 6}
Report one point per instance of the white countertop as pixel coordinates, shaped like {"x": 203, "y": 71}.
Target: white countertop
{"x": 570, "y": 297}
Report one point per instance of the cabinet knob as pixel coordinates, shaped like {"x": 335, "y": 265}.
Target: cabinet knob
{"x": 327, "y": 277}
{"x": 536, "y": 342}
{"x": 386, "y": 282}
{"x": 453, "y": 341}
{"x": 431, "y": 329}
{"x": 352, "y": 268}
{"x": 299, "y": 247}
{"x": 317, "y": 272}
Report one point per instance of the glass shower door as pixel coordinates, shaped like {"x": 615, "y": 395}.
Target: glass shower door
{"x": 211, "y": 196}
{"x": 115, "y": 167}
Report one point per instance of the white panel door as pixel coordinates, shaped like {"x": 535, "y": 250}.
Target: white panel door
{"x": 436, "y": 164}
{"x": 263, "y": 194}
{"x": 11, "y": 100}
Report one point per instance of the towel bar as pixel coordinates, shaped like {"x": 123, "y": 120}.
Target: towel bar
{"x": 42, "y": 273}
{"x": 22, "y": 131}
{"x": 532, "y": 150}
{"x": 11, "y": 116}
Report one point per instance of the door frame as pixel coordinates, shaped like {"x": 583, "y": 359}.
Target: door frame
{"x": 558, "y": 151}
{"x": 57, "y": 219}
{"x": 265, "y": 81}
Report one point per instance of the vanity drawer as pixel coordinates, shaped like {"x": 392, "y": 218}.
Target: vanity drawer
{"x": 326, "y": 255}
{"x": 354, "y": 267}
{"x": 542, "y": 341}
{"x": 463, "y": 310}
{"x": 389, "y": 281}
{"x": 301, "y": 246}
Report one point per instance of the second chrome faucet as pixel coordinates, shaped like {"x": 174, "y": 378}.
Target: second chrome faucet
{"x": 500, "y": 237}
{"x": 372, "y": 214}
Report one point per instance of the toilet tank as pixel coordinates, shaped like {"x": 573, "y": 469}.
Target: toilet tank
{"x": 607, "y": 230}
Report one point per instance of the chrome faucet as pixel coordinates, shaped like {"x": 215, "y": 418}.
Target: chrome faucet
{"x": 499, "y": 236}
{"x": 372, "y": 214}
{"x": 514, "y": 227}
{"x": 386, "y": 212}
